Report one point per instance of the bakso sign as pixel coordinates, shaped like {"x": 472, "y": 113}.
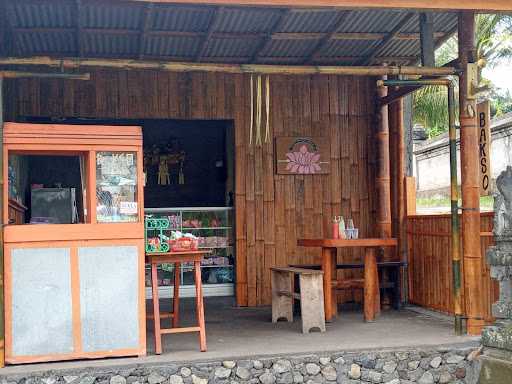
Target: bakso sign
{"x": 484, "y": 146}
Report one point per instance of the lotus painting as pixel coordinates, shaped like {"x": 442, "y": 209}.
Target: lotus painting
{"x": 302, "y": 155}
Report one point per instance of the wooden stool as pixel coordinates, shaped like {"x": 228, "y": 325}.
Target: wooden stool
{"x": 311, "y": 296}
{"x": 177, "y": 258}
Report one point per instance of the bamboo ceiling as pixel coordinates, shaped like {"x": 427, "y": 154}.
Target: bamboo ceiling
{"x": 222, "y": 34}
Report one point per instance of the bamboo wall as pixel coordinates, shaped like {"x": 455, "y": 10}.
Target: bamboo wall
{"x": 430, "y": 265}
{"x": 272, "y": 211}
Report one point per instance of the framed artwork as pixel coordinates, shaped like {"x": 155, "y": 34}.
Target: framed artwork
{"x": 302, "y": 155}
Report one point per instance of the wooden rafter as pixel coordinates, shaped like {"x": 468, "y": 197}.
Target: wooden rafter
{"x": 268, "y": 39}
{"x": 427, "y": 39}
{"x": 385, "y": 41}
{"x": 230, "y": 35}
{"x": 395, "y": 95}
{"x": 479, "y": 5}
{"x": 146, "y": 20}
{"x": 79, "y": 27}
{"x": 327, "y": 38}
{"x": 75, "y": 62}
{"x": 217, "y": 14}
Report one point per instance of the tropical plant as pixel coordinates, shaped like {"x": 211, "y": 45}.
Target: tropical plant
{"x": 493, "y": 44}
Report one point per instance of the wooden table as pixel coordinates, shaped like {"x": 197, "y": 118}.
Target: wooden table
{"x": 371, "y": 277}
{"x": 177, "y": 258}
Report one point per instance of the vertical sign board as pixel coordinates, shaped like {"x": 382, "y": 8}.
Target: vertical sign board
{"x": 484, "y": 147}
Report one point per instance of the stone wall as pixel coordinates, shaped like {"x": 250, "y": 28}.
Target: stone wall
{"x": 432, "y": 159}
{"x": 423, "y": 366}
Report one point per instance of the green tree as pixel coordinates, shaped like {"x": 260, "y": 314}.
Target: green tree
{"x": 493, "y": 44}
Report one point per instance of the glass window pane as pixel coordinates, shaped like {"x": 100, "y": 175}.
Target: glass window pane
{"x": 116, "y": 187}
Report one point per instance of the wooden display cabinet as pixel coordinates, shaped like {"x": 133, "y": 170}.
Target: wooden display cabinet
{"x": 67, "y": 285}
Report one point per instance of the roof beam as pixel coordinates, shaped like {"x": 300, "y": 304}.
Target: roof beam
{"x": 79, "y": 27}
{"x": 394, "y": 32}
{"x": 214, "y": 21}
{"x": 146, "y": 20}
{"x": 327, "y": 38}
{"x": 75, "y": 62}
{"x": 231, "y": 35}
{"x": 268, "y": 39}
{"x": 477, "y": 5}
{"x": 427, "y": 39}
{"x": 394, "y": 95}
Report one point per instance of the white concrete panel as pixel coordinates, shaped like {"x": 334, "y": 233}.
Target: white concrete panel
{"x": 41, "y": 301}
{"x": 109, "y": 297}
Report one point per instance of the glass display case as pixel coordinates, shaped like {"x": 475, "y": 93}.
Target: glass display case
{"x": 213, "y": 226}
{"x": 116, "y": 187}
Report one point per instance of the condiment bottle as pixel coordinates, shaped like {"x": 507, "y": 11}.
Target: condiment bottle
{"x": 335, "y": 229}
{"x": 341, "y": 228}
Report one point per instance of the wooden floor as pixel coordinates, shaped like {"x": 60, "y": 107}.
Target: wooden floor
{"x": 239, "y": 332}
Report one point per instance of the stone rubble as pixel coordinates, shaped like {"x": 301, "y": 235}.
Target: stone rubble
{"x": 429, "y": 366}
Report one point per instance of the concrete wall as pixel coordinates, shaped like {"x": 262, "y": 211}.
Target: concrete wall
{"x": 432, "y": 159}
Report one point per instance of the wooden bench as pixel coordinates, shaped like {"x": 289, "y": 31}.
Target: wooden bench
{"x": 393, "y": 285}
{"x": 311, "y": 296}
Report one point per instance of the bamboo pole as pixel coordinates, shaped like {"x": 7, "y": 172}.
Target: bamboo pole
{"x": 383, "y": 175}
{"x": 68, "y": 76}
{"x": 455, "y": 225}
{"x": 383, "y": 182}
{"x": 455, "y": 222}
{"x": 230, "y": 68}
{"x": 472, "y": 261}
{"x": 400, "y": 164}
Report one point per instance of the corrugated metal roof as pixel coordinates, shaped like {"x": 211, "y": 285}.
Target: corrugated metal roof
{"x": 120, "y": 17}
{"x": 97, "y": 44}
{"x": 290, "y": 48}
{"x": 309, "y": 22}
{"x": 231, "y": 47}
{"x": 180, "y": 19}
{"x": 401, "y": 48}
{"x": 186, "y": 47}
{"x": 35, "y": 27}
{"x": 30, "y": 43}
{"x": 351, "y": 48}
{"x": 23, "y": 15}
{"x": 371, "y": 21}
{"x": 247, "y": 20}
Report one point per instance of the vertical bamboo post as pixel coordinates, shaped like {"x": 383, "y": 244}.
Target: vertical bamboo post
{"x": 472, "y": 261}
{"x": 2, "y": 309}
{"x": 383, "y": 179}
{"x": 401, "y": 209}
{"x": 455, "y": 224}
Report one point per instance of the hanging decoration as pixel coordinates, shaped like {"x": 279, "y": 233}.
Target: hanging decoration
{"x": 163, "y": 162}
{"x": 267, "y": 109}
{"x": 258, "y": 111}
{"x": 256, "y": 115}
{"x": 252, "y": 111}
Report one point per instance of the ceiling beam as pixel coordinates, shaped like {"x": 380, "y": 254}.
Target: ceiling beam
{"x": 79, "y": 28}
{"x": 231, "y": 35}
{"x": 214, "y": 21}
{"x": 427, "y": 39}
{"x": 145, "y": 23}
{"x": 477, "y": 5}
{"x": 125, "y": 64}
{"x": 327, "y": 38}
{"x": 385, "y": 41}
{"x": 265, "y": 43}
{"x": 394, "y": 95}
